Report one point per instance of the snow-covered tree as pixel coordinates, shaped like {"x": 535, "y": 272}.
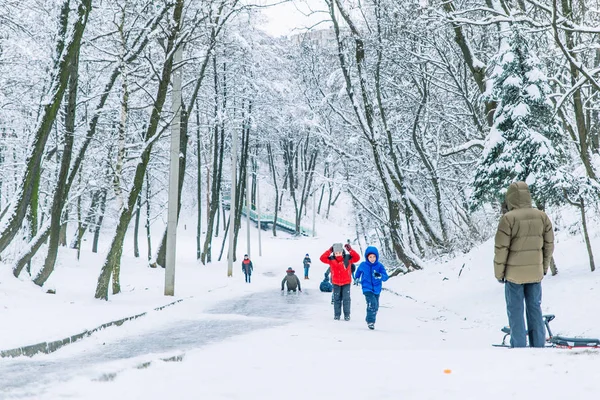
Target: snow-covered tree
{"x": 525, "y": 142}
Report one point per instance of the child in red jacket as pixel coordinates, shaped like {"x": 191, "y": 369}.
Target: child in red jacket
{"x": 340, "y": 264}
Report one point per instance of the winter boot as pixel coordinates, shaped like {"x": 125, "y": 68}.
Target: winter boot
{"x": 371, "y": 325}
{"x": 337, "y": 318}
{"x": 347, "y": 318}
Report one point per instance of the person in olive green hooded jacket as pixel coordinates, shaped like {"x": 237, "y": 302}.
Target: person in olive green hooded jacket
{"x": 524, "y": 245}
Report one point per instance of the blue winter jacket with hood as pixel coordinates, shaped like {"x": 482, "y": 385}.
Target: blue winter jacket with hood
{"x": 366, "y": 272}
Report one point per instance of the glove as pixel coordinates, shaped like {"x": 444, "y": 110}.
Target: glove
{"x": 501, "y": 281}
{"x": 347, "y": 246}
{"x": 377, "y": 275}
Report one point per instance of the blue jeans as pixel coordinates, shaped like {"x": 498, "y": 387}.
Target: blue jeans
{"x": 372, "y": 306}
{"x": 341, "y": 296}
{"x": 306, "y": 272}
{"x": 531, "y": 295}
{"x": 247, "y": 278}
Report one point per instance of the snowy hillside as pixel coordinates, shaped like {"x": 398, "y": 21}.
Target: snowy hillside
{"x": 233, "y": 340}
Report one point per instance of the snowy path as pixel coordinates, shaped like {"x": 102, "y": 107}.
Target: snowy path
{"x": 314, "y": 357}
{"x": 24, "y": 377}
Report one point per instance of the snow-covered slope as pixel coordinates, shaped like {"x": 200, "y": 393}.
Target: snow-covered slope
{"x": 432, "y": 339}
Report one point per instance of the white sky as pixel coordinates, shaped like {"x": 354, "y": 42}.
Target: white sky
{"x": 285, "y": 18}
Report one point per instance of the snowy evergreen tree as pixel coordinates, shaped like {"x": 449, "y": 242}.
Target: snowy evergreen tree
{"x": 525, "y": 142}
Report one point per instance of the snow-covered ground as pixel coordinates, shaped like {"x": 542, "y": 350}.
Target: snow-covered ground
{"x": 233, "y": 340}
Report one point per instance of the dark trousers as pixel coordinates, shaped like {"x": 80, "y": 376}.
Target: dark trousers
{"x": 248, "y": 277}
{"x": 372, "y": 306}
{"x": 341, "y": 296}
{"x": 525, "y": 298}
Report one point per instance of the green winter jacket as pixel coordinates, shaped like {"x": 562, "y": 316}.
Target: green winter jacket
{"x": 524, "y": 241}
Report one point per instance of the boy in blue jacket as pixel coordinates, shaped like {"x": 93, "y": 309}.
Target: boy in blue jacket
{"x": 371, "y": 274}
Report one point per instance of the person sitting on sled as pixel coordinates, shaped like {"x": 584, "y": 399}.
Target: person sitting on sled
{"x": 326, "y": 286}
{"x": 291, "y": 280}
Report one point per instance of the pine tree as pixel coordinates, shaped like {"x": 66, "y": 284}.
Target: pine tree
{"x": 525, "y": 142}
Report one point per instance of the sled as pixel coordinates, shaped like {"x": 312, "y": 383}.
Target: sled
{"x": 556, "y": 341}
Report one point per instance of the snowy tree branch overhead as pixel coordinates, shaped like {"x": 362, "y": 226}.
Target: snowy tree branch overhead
{"x": 400, "y": 110}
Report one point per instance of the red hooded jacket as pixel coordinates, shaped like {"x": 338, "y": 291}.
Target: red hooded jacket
{"x": 341, "y": 274}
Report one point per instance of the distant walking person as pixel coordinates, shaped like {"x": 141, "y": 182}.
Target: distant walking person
{"x": 306, "y": 263}
{"x": 524, "y": 245}
{"x": 291, "y": 280}
{"x": 371, "y": 273}
{"x": 340, "y": 264}
{"x": 247, "y": 268}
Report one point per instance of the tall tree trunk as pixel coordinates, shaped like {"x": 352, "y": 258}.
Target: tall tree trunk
{"x": 571, "y": 52}
{"x": 60, "y": 193}
{"x": 274, "y": 175}
{"x": 218, "y": 146}
{"x": 365, "y": 117}
{"x": 240, "y": 192}
{"x": 147, "y": 223}
{"x": 199, "y": 183}
{"x": 112, "y": 263}
{"x": 36, "y": 242}
{"x": 290, "y": 155}
{"x": 136, "y": 227}
{"x": 100, "y": 218}
{"x": 62, "y": 234}
{"x": 91, "y": 214}
{"x": 309, "y": 174}
{"x": 57, "y": 89}
{"x": 478, "y": 70}
{"x": 137, "y": 47}
{"x": 586, "y": 236}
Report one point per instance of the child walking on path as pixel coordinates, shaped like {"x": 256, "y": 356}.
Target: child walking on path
{"x": 371, "y": 274}
{"x": 247, "y": 267}
{"x": 340, "y": 264}
{"x": 306, "y": 263}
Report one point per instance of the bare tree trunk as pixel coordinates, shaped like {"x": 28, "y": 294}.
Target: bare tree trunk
{"x": 60, "y": 193}
{"x": 367, "y": 124}
{"x": 290, "y": 155}
{"x": 586, "y": 236}
{"x": 100, "y": 218}
{"x": 36, "y": 242}
{"x": 218, "y": 147}
{"x": 112, "y": 263}
{"x": 136, "y": 227}
{"x": 147, "y": 223}
{"x": 478, "y": 70}
{"x": 241, "y": 188}
{"x": 571, "y": 53}
{"x": 82, "y": 227}
{"x": 66, "y": 54}
{"x": 274, "y": 175}
{"x": 199, "y": 183}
